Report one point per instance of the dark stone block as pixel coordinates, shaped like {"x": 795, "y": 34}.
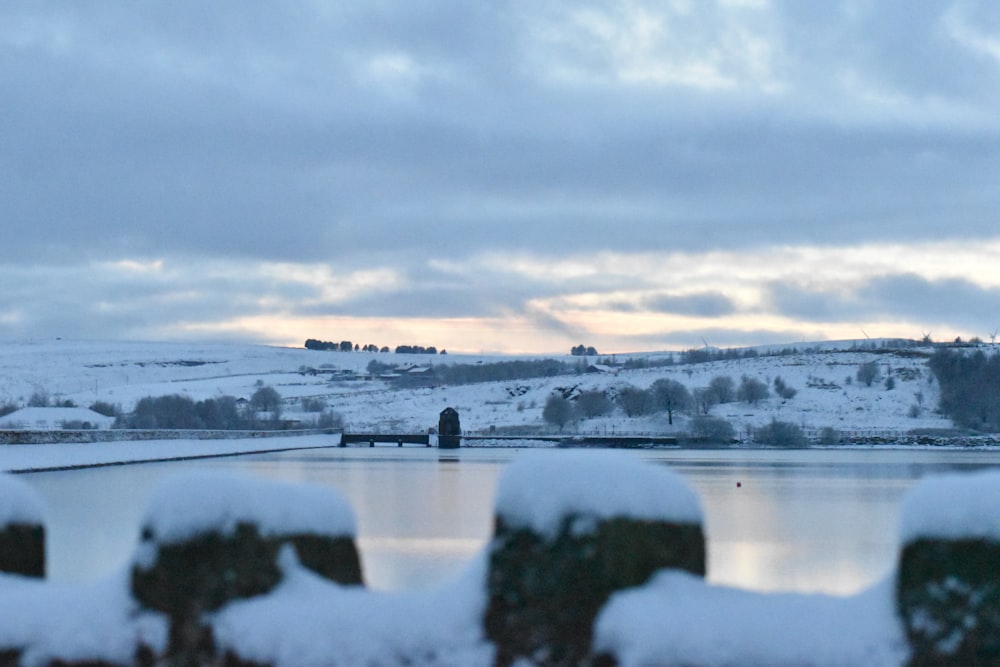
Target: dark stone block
{"x": 948, "y": 598}
{"x": 335, "y": 558}
{"x": 204, "y": 573}
{"x": 449, "y": 429}
{"x": 22, "y": 549}
{"x": 544, "y": 594}
{"x": 207, "y": 571}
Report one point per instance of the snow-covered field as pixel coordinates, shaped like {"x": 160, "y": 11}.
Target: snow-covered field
{"x": 720, "y": 625}
{"x": 122, "y": 373}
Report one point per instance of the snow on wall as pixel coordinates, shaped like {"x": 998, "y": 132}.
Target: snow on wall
{"x": 540, "y": 488}
{"x": 953, "y": 507}
{"x": 308, "y": 621}
{"x": 92, "y": 622}
{"x": 305, "y": 620}
{"x": 194, "y": 503}
{"x": 678, "y": 619}
{"x": 19, "y": 503}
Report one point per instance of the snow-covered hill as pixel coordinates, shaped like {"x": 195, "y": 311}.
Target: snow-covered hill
{"x": 827, "y": 393}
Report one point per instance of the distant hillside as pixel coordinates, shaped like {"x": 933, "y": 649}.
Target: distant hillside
{"x": 389, "y": 392}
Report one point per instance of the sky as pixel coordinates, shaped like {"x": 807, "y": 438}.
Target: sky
{"x": 507, "y": 176}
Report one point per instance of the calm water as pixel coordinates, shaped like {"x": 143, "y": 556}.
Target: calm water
{"x": 807, "y": 520}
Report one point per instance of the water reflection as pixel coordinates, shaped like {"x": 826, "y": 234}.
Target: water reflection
{"x": 814, "y": 520}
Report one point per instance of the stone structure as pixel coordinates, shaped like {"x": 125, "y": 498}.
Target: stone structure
{"x": 948, "y": 577}
{"x": 561, "y": 548}
{"x": 22, "y": 531}
{"x": 232, "y": 552}
{"x": 449, "y": 429}
{"x": 948, "y": 597}
{"x": 544, "y": 594}
{"x": 567, "y": 539}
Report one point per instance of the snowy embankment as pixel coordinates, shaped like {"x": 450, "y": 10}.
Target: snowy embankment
{"x": 226, "y": 573}
{"x": 827, "y": 393}
{"x": 34, "y": 458}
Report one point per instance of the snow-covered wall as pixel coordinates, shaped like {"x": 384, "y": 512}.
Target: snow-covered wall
{"x": 592, "y": 546}
{"x": 36, "y": 437}
{"x": 22, "y": 531}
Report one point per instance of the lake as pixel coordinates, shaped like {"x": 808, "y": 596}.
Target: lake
{"x": 804, "y": 520}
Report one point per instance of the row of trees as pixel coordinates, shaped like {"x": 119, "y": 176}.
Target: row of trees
{"x": 503, "y": 371}
{"x": 263, "y": 410}
{"x": 702, "y": 428}
{"x": 665, "y": 395}
{"x": 342, "y": 346}
{"x": 182, "y": 412}
{"x": 970, "y": 387}
{"x": 348, "y": 346}
{"x": 418, "y": 349}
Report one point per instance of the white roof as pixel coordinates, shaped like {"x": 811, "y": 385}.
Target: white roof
{"x": 46, "y": 418}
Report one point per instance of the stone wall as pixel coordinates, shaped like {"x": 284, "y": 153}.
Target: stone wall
{"x": 34, "y": 437}
{"x": 255, "y": 572}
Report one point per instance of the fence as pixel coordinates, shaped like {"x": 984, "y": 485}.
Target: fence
{"x": 36, "y": 437}
{"x": 596, "y": 559}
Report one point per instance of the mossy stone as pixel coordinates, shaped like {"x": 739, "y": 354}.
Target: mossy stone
{"x": 206, "y": 572}
{"x": 948, "y": 599}
{"x": 22, "y": 549}
{"x": 545, "y": 592}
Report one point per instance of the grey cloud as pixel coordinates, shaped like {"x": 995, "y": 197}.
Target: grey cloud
{"x": 256, "y": 139}
{"x": 900, "y": 46}
{"x": 253, "y": 131}
{"x": 83, "y": 301}
{"x": 419, "y": 301}
{"x": 713, "y": 336}
{"x": 545, "y": 321}
{"x": 709, "y": 304}
{"x": 958, "y": 302}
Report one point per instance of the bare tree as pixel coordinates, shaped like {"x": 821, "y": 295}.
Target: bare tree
{"x": 868, "y": 373}
{"x": 633, "y": 400}
{"x": 703, "y": 399}
{"x": 752, "y": 390}
{"x": 593, "y": 403}
{"x": 722, "y": 388}
{"x": 558, "y": 410}
{"x": 670, "y": 395}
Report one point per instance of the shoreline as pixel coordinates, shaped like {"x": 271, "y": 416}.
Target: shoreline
{"x": 63, "y": 456}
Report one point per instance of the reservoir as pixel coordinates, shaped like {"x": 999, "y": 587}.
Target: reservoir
{"x": 816, "y": 520}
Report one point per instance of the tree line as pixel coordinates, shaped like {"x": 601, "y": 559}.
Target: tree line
{"x": 970, "y": 388}
{"x": 263, "y": 410}
{"x": 670, "y": 397}
{"x": 349, "y": 346}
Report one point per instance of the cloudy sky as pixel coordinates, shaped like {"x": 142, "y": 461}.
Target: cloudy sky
{"x": 518, "y": 175}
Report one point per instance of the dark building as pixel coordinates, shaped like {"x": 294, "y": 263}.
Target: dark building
{"x": 449, "y": 429}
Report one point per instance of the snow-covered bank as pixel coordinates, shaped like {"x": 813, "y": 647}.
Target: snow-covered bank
{"x": 827, "y": 395}
{"x": 34, "y": 458}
